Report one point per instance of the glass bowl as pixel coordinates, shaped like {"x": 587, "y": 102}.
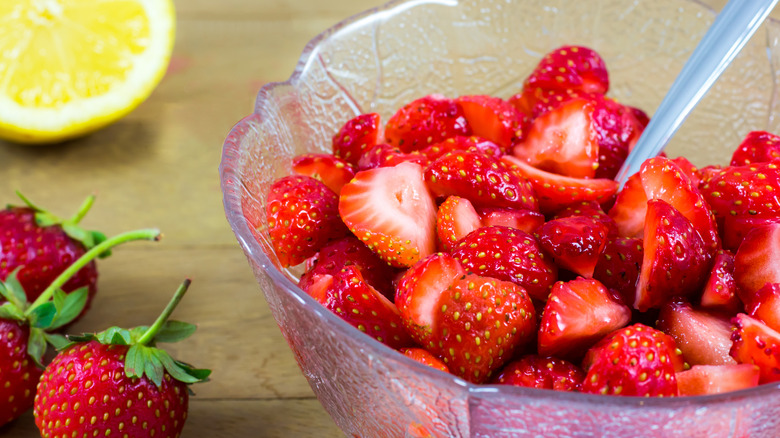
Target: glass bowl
{"x": 385, "y": 57}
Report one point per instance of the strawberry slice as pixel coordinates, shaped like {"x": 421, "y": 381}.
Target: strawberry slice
{"x": 757, "y": 147}
{"x": 675, "y": 261}
{"x": 508, "y": 254}
{"x": 537, "y": 101}
{"x": 555, "y": 192}
{"x": 720, "y": 291}
{"x": 455, "y": 219}
{"x": 692, "y": 172}
{"x": 630, "y": 208}
{"x": 590, "y": 209}
{"x": 704, "y": 338}
{"x": 384, "y": 155}
{"x": 717, "y": 379}
{"x": 756, "y": 343}
{"x": 523, "y": 220}
{"x": 483, "y": 180}
{"x": 619, "y": 128}
{"x": 766, "y": 305}
{"x": 563, "y": 141}
{"x": 494, "y": 119}
{"x": 633, "y": 361}
{"x": 302, "y": 216}
{"x": 331, "y": 170}
{"x": 357, "y": 137}
{"x": 461, "y": 143}
{"x": 572, "y": 68}
{"x": 391, "y": 211}
{"x": 618, "y": 267}
{"x": 425, "y": 121}
{"x": 347, "y": 295}
{"x": 534, "y": 371}
{"x": 757, "y": 262}
{"x": 424, "y": 357}
{"x": 578, "y": 314}
{"x": 574, "y": 243}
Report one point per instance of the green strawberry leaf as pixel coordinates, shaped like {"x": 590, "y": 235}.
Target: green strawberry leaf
{"x": 201, "y": 374}
{"x": 137, "y": 332}
{"x": 154, "y": 368}
{"x": 58, "y": 341}
{"x": 68, "y": 306}
{"x": 36, "y": 345}
{"x": 97, "y": 239}
{"x": 46, "y": 219}
{"x": 134, "y": 362}
{"x": 114, "y": 336}
{"x": 13, "y": 291}
{"x": 175, "y": 331}
{"x": 42, "y": 316}
{"x": 180, "y": 371}
{"x": 11, "y": 311}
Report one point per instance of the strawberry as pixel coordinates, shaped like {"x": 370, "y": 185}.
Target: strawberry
{"x": 704, "y": 338}
{"x": 334, "y": 172}
{"x": 349, "y": 296}
{"x": 424, "y": 357}
{"x": 357, "y": 137}
{"x": 574, "y": 243}
{"x": 493, "y": 119}
{"x": 557, "y": 191}
{"x": 302, "y": 216}
{"x": 766, "y": 305}
{"x": 425, "y": 121}
{"x": 19, "y": 374}
{"x": 720, "y": 291}
{"x": 757, "y": 147}
{"x": 455, "y": 219}
{"x": 630, "y": 208}
{"x": 536, "y": 101}
{"x": 524, "y": 220}
{"x": 541, "y": 372}
{"x": 618, "y": 127}
{"x": 483, "y": 180}
{"x": 391, "y": 211}
{"x": 632, "y": 361}
{"x": 756, "y": 343}
{"x": 618, "y": 267}
{"x": 756, "y": 262}
{"x": 508, "y": 254}
{"x": 674, "y": 262}
{"x": 578, "y": 314}
{"x": 692, "y": 172}
{"x": 590, "y": 209}
{"x": 717, "y": 379}
{"x": 384, "y": 155}
{"x": 118, "y": 382}
{"x": 462, "y": 143}
{"x": 570, "y": 67}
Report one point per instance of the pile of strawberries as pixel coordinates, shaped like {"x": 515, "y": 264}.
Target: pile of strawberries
{"x": 488, "y": 238}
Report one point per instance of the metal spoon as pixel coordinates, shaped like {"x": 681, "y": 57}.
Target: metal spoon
{"x": 732, "y": 29}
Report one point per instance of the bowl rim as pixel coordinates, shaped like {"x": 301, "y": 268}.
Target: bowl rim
{"x": 230, "y": 182}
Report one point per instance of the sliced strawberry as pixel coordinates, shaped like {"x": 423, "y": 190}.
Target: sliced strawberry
{"x": 757, "y": 262}
{"x": 331, "y": 170}
{"x": 739, "y": 226}
{"x": 534, "y": 371}
{"x": 557, "y": 191}
{"x": 630, "y": 208}
{"x": 455, "y": 218}
{"x": 570, "y": 67}
{"x": 302, "y": 216}
{"x": 357, "y": 137}
{"x": 756, "y": 343}
{"x": 619, "y": 128}
{"x": 717, "y": 379}
{"x": 632, "y": 361}
{"x": 720, "y": 291}
{"x": 757, "y": 147}
{"x": 577, "y": 315}
{"x": 524, "y": 220}
{"x": 384, "y": 155}
{"x": 537, "y": 101}
{"x": 391, "y": 211}
{"x": 425, "y": 121}
{"x": 675, "y": 261}
{"x": 347, "y": 295}
{"x": 574, "y": 243}
{"x": 483, "y": 180}
{"x": 618, "y": 267}
{"x": 508, "y": 254}
{"x": 563, "y": 141}
{"x": 590, "y": 209}
{"x": 494, "y": 119}
{"x": 424, "y": 357}
{"x": 692, "y": 172}
{"x": 704, "y": 338}
{"x": 766, "y": 305}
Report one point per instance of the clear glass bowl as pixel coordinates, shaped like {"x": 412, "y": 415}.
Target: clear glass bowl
{"x": 383, "y": 58}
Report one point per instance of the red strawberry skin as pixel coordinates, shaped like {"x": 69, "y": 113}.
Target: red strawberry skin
{"x": 18, "y": 373}
{"x": 618, "y": 267}
{"x": 534, "y": 371}
{"x": 574, "y": 243}
{"x": 331, "y": 170}
{"x": 494, "y": 119}
{"x": 455, "y": 218}
{"x": 85, "y": 391}
{"x": 757, "y": 147}
{"x": 424, "y": 357}
{"x": 570, "y": 67}
{"x": 42, "y": 252}
{"x": 755, "y": 343}
{"x": 425, "y": 121}
{"x": 357, "y": 137}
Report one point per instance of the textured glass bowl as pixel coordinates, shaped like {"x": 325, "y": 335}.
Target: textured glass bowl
{"x": 383, "y": 58}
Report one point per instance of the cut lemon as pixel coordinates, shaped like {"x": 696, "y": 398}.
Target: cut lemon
{"x": 70, "y": 67}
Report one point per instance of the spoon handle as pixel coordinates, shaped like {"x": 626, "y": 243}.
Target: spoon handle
{"x": 733, "y": 27}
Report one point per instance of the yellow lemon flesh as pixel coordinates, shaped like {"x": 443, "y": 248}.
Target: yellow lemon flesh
{"x": 70, "y": 67}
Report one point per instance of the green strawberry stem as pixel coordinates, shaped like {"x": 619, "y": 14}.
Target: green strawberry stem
{"x": 149, "y": 335}
{"x": 143, "y": 234}
{"x": 83, "y": 210}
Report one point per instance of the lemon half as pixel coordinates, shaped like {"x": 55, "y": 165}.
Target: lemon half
{"x": 70, "y": 67}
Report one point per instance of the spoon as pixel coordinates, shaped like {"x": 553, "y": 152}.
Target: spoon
{"x": 732, "y": 29}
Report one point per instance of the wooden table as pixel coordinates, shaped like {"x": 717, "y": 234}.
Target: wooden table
{"x": 158, "y": 167}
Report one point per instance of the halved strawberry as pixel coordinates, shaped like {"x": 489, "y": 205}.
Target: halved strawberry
{"x": 524, "y": 220}
{"x": 590, "y": 209}
{"x": 757, "y": 262}
{"x": 619, "y": 128}
{"x": 557, "y": 191}
{"x": 630, "y": 208}
{"x": 483, "y": 180}
{"x": 494, "y": 119}
{"x": 331, "y": 170}
{"x": 717, "y": 379}
{"x": 704, "y": 338}
{"x": 424, "y": 357}
{"x": 455, "y": 218}
{"x": 384, "y": 155}
{"x": 720, "y": 291}
{"x": 578, "y": 314}
{"x": 357, "y": 137}
{"x": 425, "y": 121}
{"x": 536, "y": 101}
{"x": 534, "y": 371}
{"x": 618, "y": 267}
{"x": 756, "y": 343}
{"x": 692, "y": 172}
{"x": 675, "y": 261}
{"x": 570, "y": 67}
{"x": 757, "y": 147}
{"x": 508, "y": 254}
{"x": 574, "y": 243}
{"x": 766, "y": 305}
{"x": 391, "y": 211}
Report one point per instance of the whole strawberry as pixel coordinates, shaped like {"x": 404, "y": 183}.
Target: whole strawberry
{"x": 118, "y": 382}
{"x": 18, "y": 373}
